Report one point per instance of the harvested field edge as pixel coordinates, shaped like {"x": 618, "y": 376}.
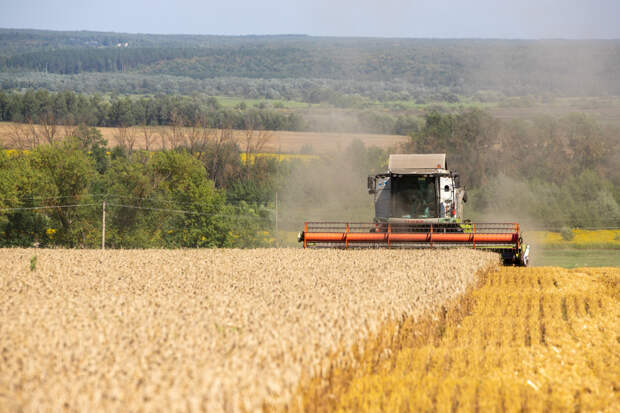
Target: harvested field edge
{"x": 522, "y": 340}
{"x": 323, "y": 391}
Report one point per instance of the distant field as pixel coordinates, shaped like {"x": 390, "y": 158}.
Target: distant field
{"x": 279, "y": 141}
{"x": 574, "y": 258}
{"x": 604, "y": 109}
{"x": 582, "y": 239}
{"x": 588, "y": 248}
{"x": 231, "y": 102}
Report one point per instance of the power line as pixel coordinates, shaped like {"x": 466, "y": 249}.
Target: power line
{"x": 181, "y": 211}
{"x": 46, "y": 207}
{"x": 60, "y": 197}
{"x": 178, "y": 211}
{"x": 171, "y": 201}
{"x": 112, "y": 196}
{"x": 160, "y": 209}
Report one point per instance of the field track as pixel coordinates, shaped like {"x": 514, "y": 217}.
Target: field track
{"x": 279, "y": 141}
{"x": 537, "y": 339}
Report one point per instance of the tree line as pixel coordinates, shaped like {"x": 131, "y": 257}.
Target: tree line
{"x": 347, "y": 93}
{"x": 70, "y": 108}
{"x": 14, "y": 41}
{"x": 112, "y": 59}
{"x": 204, "y": 196}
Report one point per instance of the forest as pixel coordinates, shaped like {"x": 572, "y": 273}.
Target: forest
{"x": 301, "y": 67}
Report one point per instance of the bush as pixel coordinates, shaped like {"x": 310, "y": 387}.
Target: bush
{"x": 567, "y": 234}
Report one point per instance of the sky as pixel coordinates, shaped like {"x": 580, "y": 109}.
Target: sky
{"x": 516, "y": 19}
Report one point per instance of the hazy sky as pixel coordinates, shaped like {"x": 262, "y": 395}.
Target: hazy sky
{"x": 385, "y": 18}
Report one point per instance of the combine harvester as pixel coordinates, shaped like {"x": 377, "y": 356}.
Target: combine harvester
{"x": 419, "y": 204}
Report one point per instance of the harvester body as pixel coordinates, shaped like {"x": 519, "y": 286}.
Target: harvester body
{"x": 417, "y": 189}
{"x": 418, "y": 204}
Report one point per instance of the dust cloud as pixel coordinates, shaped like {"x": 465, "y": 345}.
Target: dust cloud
{"x": 508, "y": 200}
{"x": 332, "y": 187}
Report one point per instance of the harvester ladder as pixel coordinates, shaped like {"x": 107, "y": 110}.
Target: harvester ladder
{"x": 473, "y": 226}
{"x": 431, "y": 236}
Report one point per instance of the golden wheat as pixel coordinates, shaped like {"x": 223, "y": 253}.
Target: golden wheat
{"x": 280, "y": 141}
{"x": 539, "y": 339}
{"x": 202, "y": 330}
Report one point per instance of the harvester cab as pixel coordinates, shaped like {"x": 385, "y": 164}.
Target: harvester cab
{"x": 418, "y": 204}
{"x": 417, "y": 189}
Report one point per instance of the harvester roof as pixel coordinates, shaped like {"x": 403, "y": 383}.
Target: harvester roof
{"x": 416, "y": 163}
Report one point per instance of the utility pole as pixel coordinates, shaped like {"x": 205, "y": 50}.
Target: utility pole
{"x": 277, "y": 242}
{"x": 103, "y": 227}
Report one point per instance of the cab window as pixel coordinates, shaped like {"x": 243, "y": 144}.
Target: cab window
{"x": 414, "y": 197}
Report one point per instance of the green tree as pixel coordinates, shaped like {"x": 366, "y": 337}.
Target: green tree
{"x": 69, "y": 174}
{"x": 184, "y": 178}
{"x": 19, "y": 186}
{"x": 51, "y": 186}
{"x": 147, "y": 194}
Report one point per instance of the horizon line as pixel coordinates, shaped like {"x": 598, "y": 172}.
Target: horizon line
{"x": 314, "y": 35}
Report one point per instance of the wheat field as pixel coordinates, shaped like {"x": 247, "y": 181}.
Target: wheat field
{"x": 535, "y": 339}
{"x": 276, "y": 141}
{"x": 206, "y": 330}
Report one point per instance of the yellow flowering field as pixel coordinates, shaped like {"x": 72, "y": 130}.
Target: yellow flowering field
{"x": 602, "y": 238}
{"x": 13, "y": 153}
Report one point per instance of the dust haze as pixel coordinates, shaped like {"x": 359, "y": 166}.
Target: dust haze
{"x": 333, "y": 187}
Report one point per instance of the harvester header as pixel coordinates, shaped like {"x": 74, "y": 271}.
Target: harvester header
{"x": 418, "y": 204}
